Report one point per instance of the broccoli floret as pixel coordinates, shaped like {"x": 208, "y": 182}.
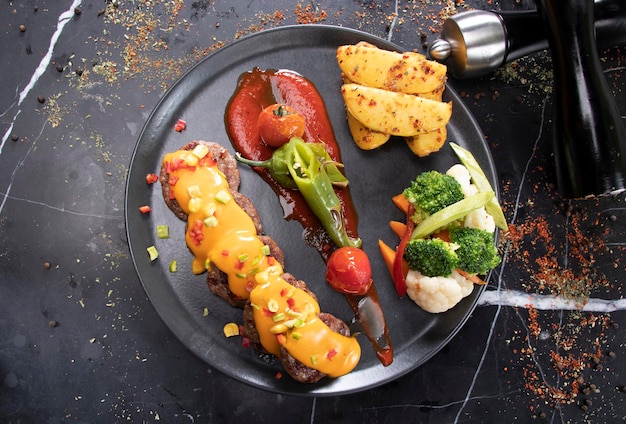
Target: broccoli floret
{"x": 432, "y": 191}
{"x": 476, "y": 252}
{"x": 431, "y": 257}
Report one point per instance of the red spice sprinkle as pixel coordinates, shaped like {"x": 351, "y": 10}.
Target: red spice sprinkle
{"x": 225, "y": 252}
{"x": 180, "y": 125}
{"x": 249, "y": 286}
{"x": 152, "y": 178}
{"x": 331, "y": 353}
{"x": 245, "y": 342}
{"x": 145, "y": 209}
{"x": 196, "y": 233}
{"x": 208, "y": 161}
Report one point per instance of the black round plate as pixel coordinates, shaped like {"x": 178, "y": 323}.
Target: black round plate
{"x": 182, "y": 299}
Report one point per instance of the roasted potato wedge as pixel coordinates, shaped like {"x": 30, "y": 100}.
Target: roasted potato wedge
{"x": 409, "y": 72}
{"x": 394, "y": 113}
{"x": 425, "y": 144}
{"x": 436, "y": 94}
{"x": 364, "y": 137}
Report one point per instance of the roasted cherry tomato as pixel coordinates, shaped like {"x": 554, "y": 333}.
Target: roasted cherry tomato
{"x": 349, "y": 271}
{"x": 278, "y": 123}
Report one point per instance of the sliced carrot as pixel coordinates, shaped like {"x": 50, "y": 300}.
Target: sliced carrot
{"x": 472, "y": 277}
{"x": 401, "y": 202}
{"x": 399, "y": 228}
{"x": 388, "y": 254}
{"x": 443, "y": 235}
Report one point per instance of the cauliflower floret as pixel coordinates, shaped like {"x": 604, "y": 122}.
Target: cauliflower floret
{"x": 461, "y": 174}
{"x": 480, "y": 219}
{"x": 437, "y": 294}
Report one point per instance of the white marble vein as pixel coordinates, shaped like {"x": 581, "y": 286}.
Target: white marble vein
{"x": 41, "y": 68}
{"x": 64, "y": 18}
{"x": 518, "y": 299}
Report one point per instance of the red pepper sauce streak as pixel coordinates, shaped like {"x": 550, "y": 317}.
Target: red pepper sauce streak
{"x": 258, "y": 89}
{"x": 255, "y": 91}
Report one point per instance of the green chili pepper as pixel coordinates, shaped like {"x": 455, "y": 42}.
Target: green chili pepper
{"x": 277, "y": 164}
{"x": 304, "y": 166}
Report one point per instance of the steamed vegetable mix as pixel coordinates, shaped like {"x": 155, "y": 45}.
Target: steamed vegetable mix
{"x": 308, "y": 168}
{"x": 448, "y": 238}
{"x": 482, "y": 184}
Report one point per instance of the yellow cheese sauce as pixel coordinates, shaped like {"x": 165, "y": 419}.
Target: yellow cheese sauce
{"x": 288, "y": 316}
{"x": 221, "y": 233}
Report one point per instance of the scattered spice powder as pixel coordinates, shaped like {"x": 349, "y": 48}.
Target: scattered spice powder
{"x": 562, "y": 258}
{"x": 308, "y": 15}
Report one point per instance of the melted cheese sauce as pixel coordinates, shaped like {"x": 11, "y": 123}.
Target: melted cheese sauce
{"x": 221, "y": 233}
{"x": 288, "y": 316}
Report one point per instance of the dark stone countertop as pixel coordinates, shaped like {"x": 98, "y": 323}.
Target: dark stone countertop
{"x": 81, "y": 342}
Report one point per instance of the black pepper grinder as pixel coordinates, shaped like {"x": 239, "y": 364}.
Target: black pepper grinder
{"x": 589, "y": 133}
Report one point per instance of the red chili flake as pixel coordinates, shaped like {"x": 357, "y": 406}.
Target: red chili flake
{"x": 281, "y": 339}
{"x": 207, "y": 161}
{"x": 225, "y": 252}
{"x": 180, "y": 125}
{"x": 291, "y": 302}
{"x": 278, "y": 375}
{"x": 196, "y": 232}
{"x": 173, "y": 179}
{"x": 267, "y": 312}
{"x": 372, "y": 103}
{"x": 152, "y": 178}
{"x": 331, "y": 353}
{"x": 145, "y": 209}
{"x": 249, "y": 286}
{"x": 174, "y": 165}
{"x": 239, "y": 265}
{"x": 284, "y": 292}
{"x": 245, "y": 342}
{"x": 271, "y": 261}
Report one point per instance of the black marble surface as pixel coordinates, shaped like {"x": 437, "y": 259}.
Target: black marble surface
{"x": 79, "y": 340}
